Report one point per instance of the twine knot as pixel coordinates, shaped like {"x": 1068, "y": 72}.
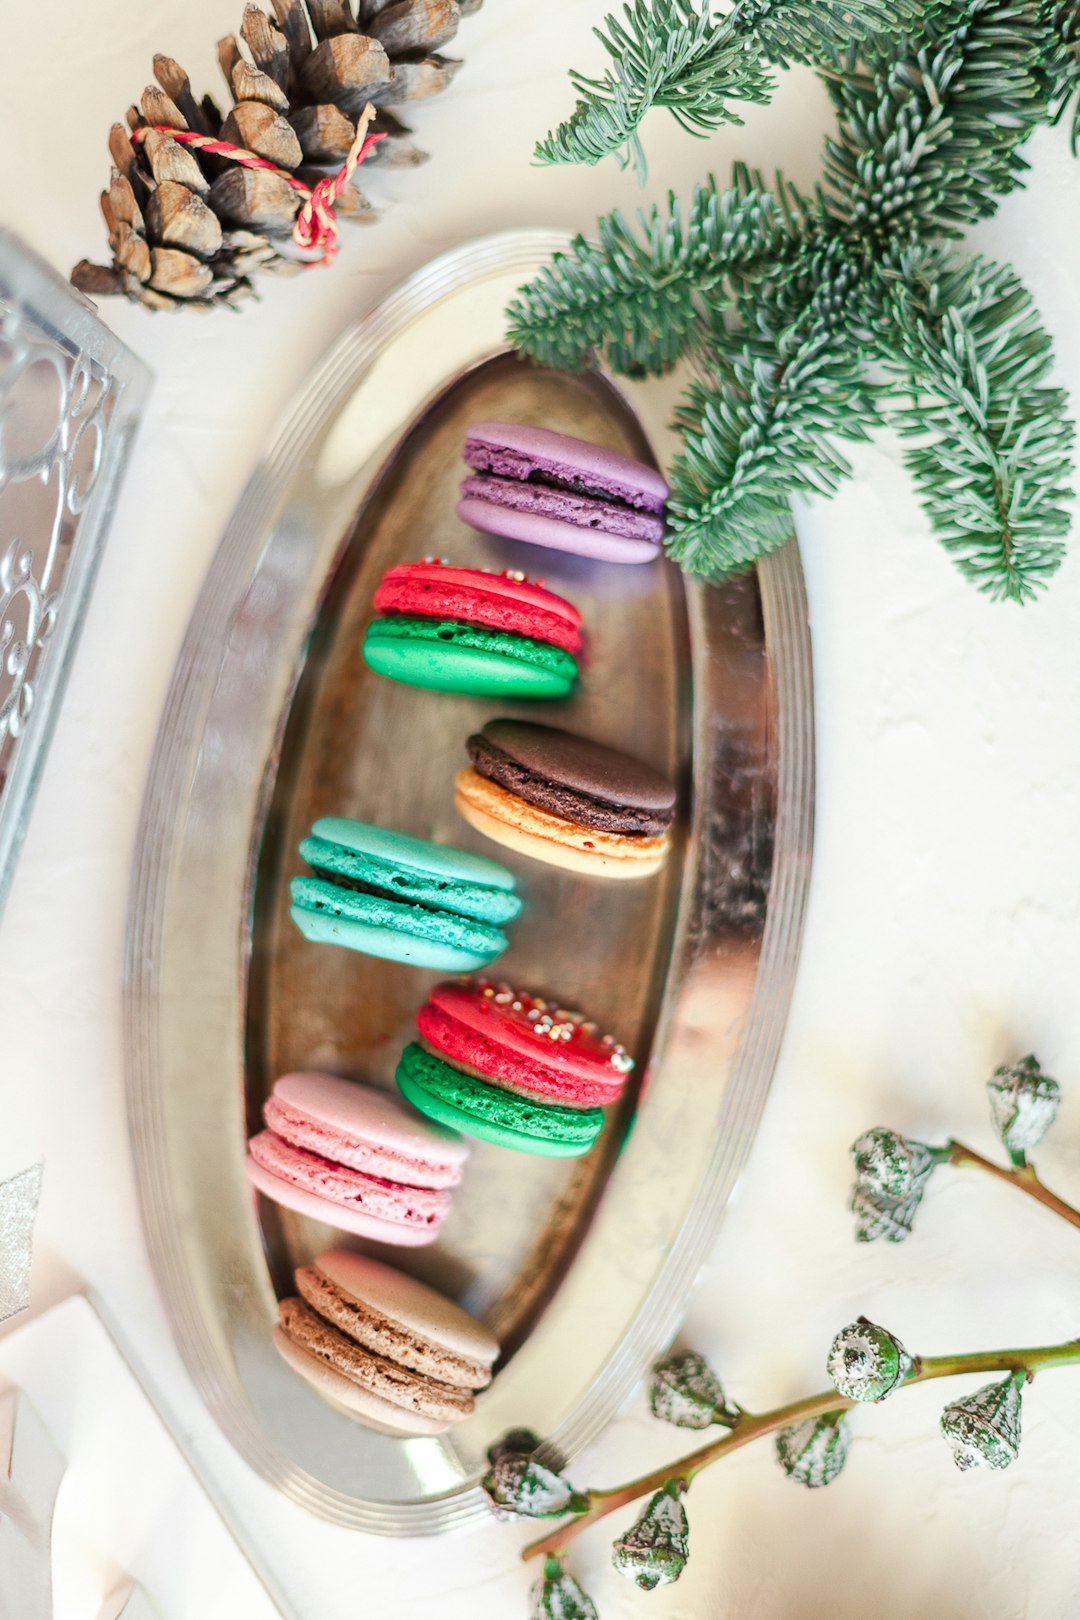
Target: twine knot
{"x": 316, "y": 225}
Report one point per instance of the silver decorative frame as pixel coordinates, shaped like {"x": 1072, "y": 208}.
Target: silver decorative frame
{"x": 70, "y": 398}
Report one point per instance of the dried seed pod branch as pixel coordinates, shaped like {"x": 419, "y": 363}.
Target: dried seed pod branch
{"x": 866, "y": 1364}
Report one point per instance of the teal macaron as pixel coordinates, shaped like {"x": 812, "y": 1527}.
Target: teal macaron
{"x": 401, "y": 898}
{"x": 469, "y": 1105}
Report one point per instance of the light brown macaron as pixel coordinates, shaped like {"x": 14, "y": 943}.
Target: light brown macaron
{"x": 391, "y": 1350}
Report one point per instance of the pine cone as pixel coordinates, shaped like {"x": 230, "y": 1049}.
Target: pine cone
{"x": 188, "y": 229}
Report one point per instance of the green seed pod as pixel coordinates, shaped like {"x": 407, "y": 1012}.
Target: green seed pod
{"x": 519, "y": 1487}
{"x": 655, "y": 1550}
{"x": 557, "y": 1596}
{"x": 984, "y": 1429}
{"x": 813, "y": 1453}
{"x": 684, "y": 1390}
{"x": 1023, "y": 1104}
{"x": 890, "y": 1165}
{"x": 880, "y": 1217}
{"x": 867, "y": 1362}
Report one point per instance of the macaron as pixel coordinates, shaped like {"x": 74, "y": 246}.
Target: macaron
{"x": 467, "y": 630}
{"x": 528, "y": 483}
{"x": 355, "y": 1158}
{"x": 401, "y": 898}
{"x": 389, "y": 1349}
{"x": 512, "y": 1068}
{"x": 564, "y": 799}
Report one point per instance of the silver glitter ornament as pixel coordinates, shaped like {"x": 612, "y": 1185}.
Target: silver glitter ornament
{"x": 1023, "y": 1104}
{"x": 867, "y": 1362}
{"x": 813, "y": 1453}
{"x": 654, "y": 1551}
{"x": 984, "y": 1429}
{"x": 18, "y": 1206}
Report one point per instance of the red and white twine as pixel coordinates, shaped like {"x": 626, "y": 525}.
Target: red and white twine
{"x": 316, "y": 224}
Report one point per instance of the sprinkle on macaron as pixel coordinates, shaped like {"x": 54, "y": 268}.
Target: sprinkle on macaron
{"x": 467, "y": 630}
{"x": 548, "y": 489}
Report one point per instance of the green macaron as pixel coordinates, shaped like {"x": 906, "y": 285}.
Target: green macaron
{"x": 446, "y": 656}
{"x": 477, "y": 1109}
{"x": 401, "y": 898}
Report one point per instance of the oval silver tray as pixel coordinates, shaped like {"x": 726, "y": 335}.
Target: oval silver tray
{"x": 583, "y": 1268}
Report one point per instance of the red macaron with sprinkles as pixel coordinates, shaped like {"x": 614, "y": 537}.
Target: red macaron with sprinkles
{"x": 467, "y": 630}
{"x": 512, "y": 1068}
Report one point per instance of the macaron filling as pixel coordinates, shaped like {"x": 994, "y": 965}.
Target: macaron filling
{"x": 450, "y": 1039}
{"x": 564, "y": 506}
{"x": 503, "y": 461}
{"x": 561, "y": 799}
{"x": 383, "y": 1200}
{"x": 506, "y": 601}
{"x": 348, "y": 868}
{"x": 375, "y": 916}
{"x": 425, "y": 1078}
{"x": 373, "y": 1158}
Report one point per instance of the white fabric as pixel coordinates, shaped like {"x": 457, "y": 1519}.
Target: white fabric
{"x": 942, "y": 934}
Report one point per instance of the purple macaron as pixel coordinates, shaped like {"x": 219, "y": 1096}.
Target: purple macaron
{"x": 528, "y": 483}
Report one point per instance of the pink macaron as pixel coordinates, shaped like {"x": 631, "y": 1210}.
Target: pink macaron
{"x": 356, "y": 1159}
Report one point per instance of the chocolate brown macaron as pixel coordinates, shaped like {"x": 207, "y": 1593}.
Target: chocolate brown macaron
{"x": 391, "y": 1350}
{"x": 567, "y": 800}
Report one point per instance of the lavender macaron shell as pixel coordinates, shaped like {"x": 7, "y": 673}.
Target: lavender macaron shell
{"x": 553, "y": 533}
{"x": 565, "y": 506}
{"x": 515, "y": 450}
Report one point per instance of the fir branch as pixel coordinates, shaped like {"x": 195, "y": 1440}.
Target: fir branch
{"x": 664, "y": 53}
{"x": 930, "y": 141}
{"x": 643, "y": 297}
{"x": 760, "y": 431}
{"x": 994, "y": 465}
{"x": 675, "y": 54}
{"x": 780, "y": 301}
{"x": 787, "y": 31}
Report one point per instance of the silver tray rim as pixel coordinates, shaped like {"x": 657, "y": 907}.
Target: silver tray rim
{"x": 787, "y": 640}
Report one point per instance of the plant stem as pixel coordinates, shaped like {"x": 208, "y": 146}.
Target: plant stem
{"x": 1021, "y": 1176}
{"x": 753, "y": 1425}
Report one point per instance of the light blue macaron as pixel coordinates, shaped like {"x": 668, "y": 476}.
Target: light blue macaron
{"x": 404, "y": 899}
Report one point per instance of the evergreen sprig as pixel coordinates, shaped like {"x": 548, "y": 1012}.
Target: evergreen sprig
{"x": 993, "y": 458}
{"x": 675, "y": 54}
{"x": 664, "y": 53}
{"x": 808, "y": 318}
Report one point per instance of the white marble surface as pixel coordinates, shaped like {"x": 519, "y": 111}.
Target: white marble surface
{"x": 943, "y": 929}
